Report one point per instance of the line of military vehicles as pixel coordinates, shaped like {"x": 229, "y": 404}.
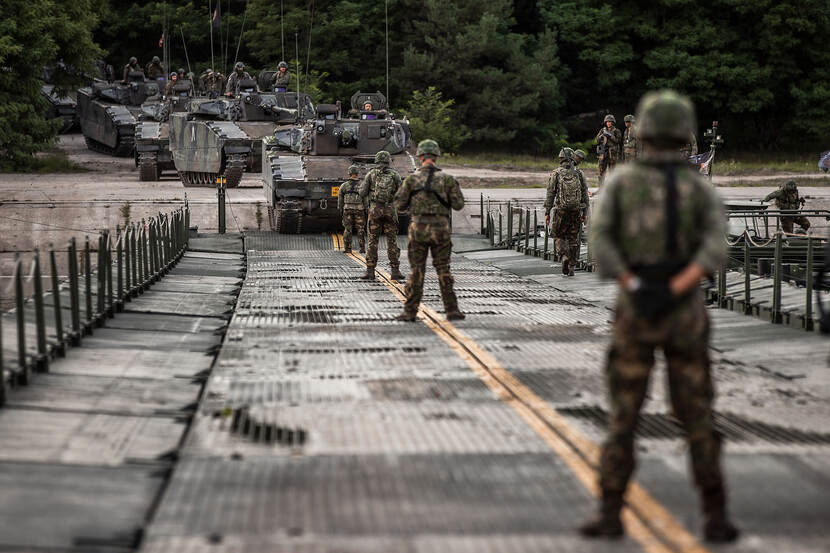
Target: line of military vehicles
{"x": 303, "y": 151}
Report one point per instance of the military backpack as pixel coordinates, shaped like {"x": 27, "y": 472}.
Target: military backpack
{"x": 569, "y": 191}
{"x": 383, "y": 190}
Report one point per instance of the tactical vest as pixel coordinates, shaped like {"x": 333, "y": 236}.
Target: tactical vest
{"x": 383, "y": 186}
{"x": 787, "y": 200}
{"x": 351, "y": 196}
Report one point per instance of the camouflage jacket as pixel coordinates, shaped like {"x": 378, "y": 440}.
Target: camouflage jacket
{"x": 628, "y": 226}
{"x": 348, "y": 197}
{"x": 380, "y": 185}
{"x": 281, "y": 79}
{"x": 784, "y": 199}
{"x": 129, "y": 68}
{"x": 611, "y": 137}
{"x": 414, "y": 196}
{"x": 233, "y": 79}
{"x": 631, "y": 144}
{"x": 553, "y": 188}
{"x": 154, "y": 71}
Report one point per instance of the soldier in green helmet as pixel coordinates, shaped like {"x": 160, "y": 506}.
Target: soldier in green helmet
{"x": 657, "y": 230}
{"x": 787, "y": 200}
{"x": 631, "y": 146}
{"x": 281, "y": 78}
{"x": 154, "y": 69}
{"x": 568, "y": 193}
{"x": 238, "y": 75}
{"x": 430, "y": 195}
{"x": 353, "y": 209}
{"x": 609, "y": 141}
{"x": 378, "y": 188}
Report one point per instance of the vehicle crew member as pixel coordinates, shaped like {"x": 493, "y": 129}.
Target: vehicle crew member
{"x": 689, "y": 149}
{"x": 353, "y": 209}
{"x": 658, "y": 229}
{"x": 787, "y": 199}
{"x": 429, "y": 194}
{"x": 379, "y": 187}
{"x": 608, "y": 141}
{"x": 154, "y": 69}
{"x": 281, "y": 78}
{"x": 238, "y": 74}
{"x": 631, "y": 146}
{"x": 132, "y": 67}
{"x": 181, "y": 74}
{"x": 568, "y": 194}
{"x": 168, "y": 89}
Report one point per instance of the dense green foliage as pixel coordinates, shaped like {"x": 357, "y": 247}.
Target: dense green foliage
{"x": 523, "y": 75}
{"x": 430, "y": 116}
{"x": 33, "y": 34}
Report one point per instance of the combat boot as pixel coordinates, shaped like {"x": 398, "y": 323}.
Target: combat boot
{"x": 396, "y": 275}
{"x": 717, "y": 527}
{"x": 606, "y": 523}
{"x": 406, "y": 316}
{"x": 565, "y": 266}
{"x": 347, "y": 250}
{"x": 370, "y": 273}
{"x": 362, "y": 249}
{"x": 455, "y": 315}
{"x": 570, "y": 270}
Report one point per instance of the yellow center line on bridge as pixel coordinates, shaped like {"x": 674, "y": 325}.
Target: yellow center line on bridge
{"x": 646, "y": 520}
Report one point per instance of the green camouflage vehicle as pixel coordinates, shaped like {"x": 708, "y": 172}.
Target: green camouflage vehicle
{"x": 108, "y": 112}
{"x": 152, "y": 132}
{"x": 303, "y": 166}
{"x": 60, "y": 106}
{"x": 222, "y": 136}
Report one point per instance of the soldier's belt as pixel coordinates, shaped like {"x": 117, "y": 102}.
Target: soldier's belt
{"x": 658, "y": 272}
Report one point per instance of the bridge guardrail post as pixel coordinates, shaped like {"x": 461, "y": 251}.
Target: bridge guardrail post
{"x": 22, "y": 363}
{"x": 119, "y": 257}
{"x": 101, "y": 280}
{"x": 509, "y": 225}
{"x": 808, "y": 307}
{"x": 2, "y": 369}
{"x": 88, "y": 288}
{"x": 481, "y": 211}
{"x": 74, "y": 292}
{"x": 776, "y": 316}
{"x": 60, "y": 337}
{"x": 42, "y": 362}
{"x": 501, "y": 232}
{"x": 519, "y": 231}
{"x": 108, "y": 282}
{"x": 535, "y": 233}
{"x": 747, "y": 287}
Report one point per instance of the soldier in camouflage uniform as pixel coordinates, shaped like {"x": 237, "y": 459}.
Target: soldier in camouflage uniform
{"x": 689, "y": 148}
{"x": 131, "y": 67}
{"x": 658, "y": 229}
{"x": 238, "y": 74}
{"x": 154, "y": 69}
{"x": 281, "y": 78}
{"x": 171, "y": 82}
{"x": 631, "y": 146}
{"x": 379, "y": 187}
{"x": 353, "y": 209}
{"x": 787, "y": 199}
{"x": 568, "y": 193}
{"x": 609, "y": 141}
{"x": 429, "y": 194}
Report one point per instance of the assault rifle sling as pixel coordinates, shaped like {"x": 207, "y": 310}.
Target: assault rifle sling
{"x": 428, "y": 188}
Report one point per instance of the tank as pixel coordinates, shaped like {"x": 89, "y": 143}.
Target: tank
{"x": 108, "y": 112}
{"x": 223, "y": 136}
{"x": 60, "y": 106}
{"x": 152, "y": 132}
{"x": 304, "y": 165}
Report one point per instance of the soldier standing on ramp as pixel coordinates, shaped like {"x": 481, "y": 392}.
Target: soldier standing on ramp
{"x": 353, "y": 209}
{"x": 429, "y": 194}
{"x": 379, "y": 187}
{"x": 787, "y": 199}
{"x": 608, "y": 141}
{"x": 658, "y": 229}
{"x": 568, "y": 193}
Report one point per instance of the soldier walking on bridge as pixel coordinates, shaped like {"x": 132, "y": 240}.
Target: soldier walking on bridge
{"x": 378, "y": 188}
{"x": 429, "y": 194}
{"x": 608, "y": 141}
{"x": 658, "y": 229}
{"x": 787, "y": 200}
{"x": 568, "y": 194}
{"x": 353, "y": 209}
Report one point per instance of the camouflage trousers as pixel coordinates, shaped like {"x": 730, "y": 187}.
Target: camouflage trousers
{"x": 383, "y": 219}
{"x": 354, "y": 218}
{"x": 683, "y": 335}
{"x": 629, "y": 154}
{"x": 566, "y": 226}
{"x": 606, "y": 162}
{"x": 430, "y": 234}
{"x": 788, "y": 222}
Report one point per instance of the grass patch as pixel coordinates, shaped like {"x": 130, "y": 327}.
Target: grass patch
{"x": 774, "y": 183}
{"x": 52, "y": 161}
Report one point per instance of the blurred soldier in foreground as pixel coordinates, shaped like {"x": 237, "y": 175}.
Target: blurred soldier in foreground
{"x": 608, "y": 141}
{"x": 281, "y": 78}
{"x": 631, "y": 146}
{"x": 154, "y": 69}
{"x": 379, "y": 187}
{"x": 429, "y": 194}
{"x": 238, "y": 74}
{"x": 787, "y": 199}
{"x": 132, "y": 67}
{"x": 658, "y": 230}
{"x": 568, "y": 194}
{"x": 353, "y": 210}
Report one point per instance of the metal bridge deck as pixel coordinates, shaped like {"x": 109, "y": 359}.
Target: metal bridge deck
{"x": 326, "y": 426}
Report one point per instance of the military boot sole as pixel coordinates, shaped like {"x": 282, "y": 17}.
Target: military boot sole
{"x": 602, "y": 528}
{"x": 455, "y": 316}
{"x": 406, "y": 317}
{"x": 720, "y": 531}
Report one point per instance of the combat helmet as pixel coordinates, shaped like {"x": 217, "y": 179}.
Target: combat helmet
{"x": 629, "y": 117}
{"x": 580, "y": 155}
{"x": 383, "y": 157}
{"x": 282, "y": 64}
{"x": 611, "y": 118}
{"x": 156, "y": 59}
{"x": 239, "y": 66}
{"x": 174, "y": 74}
{"x": 665, "y": 115}
{"x": 354, "y": 169}
{"x": 790, "y": 185}
{"x": 133, "y": 60}
{"x": 566, "y": 153}
{"x": 428, "y": 147}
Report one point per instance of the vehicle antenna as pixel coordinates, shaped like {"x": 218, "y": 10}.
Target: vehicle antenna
{"x": 297, "y": 55}
{"x": 386, "y": 10}
{"x": 210, "y": 26}
{"x": 227, "y": 35}
{"x": 186, "y": 57}
{"x": 310, "y": 29}
{"x": 238, "y": 44}
{"x": 282, "y": 30}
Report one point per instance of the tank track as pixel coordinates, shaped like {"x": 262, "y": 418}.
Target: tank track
{"x": 123, "y": 149}
{"x": 148, "y": 167}
{"x": 287, "y": 221}
{"x": 234, "y": 167}
{"x": 196, "y": 179}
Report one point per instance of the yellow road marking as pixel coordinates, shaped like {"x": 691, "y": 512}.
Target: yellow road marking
{"x": 646, "y": 520}
{"x": 337, "y": 241}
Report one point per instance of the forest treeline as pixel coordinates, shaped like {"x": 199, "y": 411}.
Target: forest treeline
{"x": 523, "y": 75}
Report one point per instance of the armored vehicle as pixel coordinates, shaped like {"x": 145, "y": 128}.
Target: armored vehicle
{"x": 60, "y": 106}
{"x": 152, "y": 132}
{"x": 108, "y": 112}
{"x": 303, "y": 166}
{"x": 223, "y": 136}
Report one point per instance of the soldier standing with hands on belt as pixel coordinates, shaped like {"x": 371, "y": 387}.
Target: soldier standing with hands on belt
{"x": 378, "y": 188}
{"x": 353, "y": 210}
{"x": 429, "y": 194}
{"x": 658, "y": 229}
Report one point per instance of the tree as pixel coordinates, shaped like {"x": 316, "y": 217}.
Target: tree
{"x": 34, "y": 34}
{"x": 430, "y": 116}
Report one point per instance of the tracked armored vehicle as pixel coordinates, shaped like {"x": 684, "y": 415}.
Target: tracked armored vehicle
{"x": 108, "y": 113}
{"x": 60, "y": 106}
{"x": 303, "y": 166}
{"x": 222, "y": 136}
{"x": 152, "y": 132}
